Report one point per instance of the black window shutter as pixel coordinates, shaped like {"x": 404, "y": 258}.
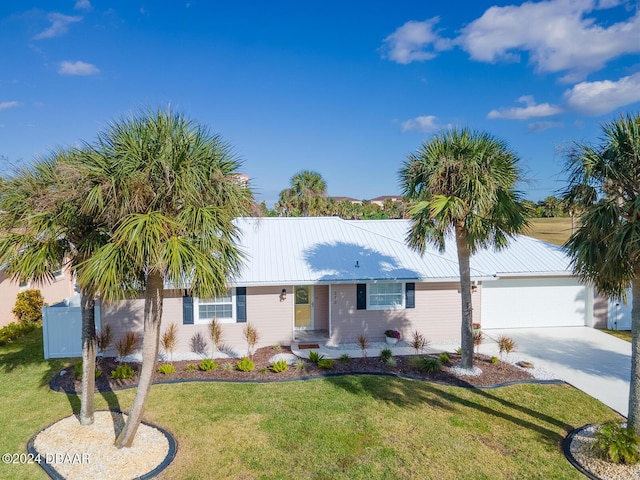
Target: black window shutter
{"x": 187, "y": 310}
{"x": 410, "y": 291}
{"x": 241, "y": 304}
{"x": 361, "y": 296}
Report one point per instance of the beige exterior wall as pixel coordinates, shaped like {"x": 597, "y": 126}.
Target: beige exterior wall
{"x": 53, "y": 292}
{"x": 436, "y": 315}
{"x": 272, "y": 318}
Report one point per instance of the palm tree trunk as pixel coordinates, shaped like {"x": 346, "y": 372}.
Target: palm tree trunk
{"x": 89, "y": 343}
{"x": 466, "y": 336}
{"x": 634, "y": 393}
{"x": 150, "y": 342}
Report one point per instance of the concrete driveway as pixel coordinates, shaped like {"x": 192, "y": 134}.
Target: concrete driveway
{"x": 595, "y": 362}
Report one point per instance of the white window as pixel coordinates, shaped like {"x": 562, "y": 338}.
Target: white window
{"x": 222, "y": 308}
{"x": 385, "y": 296}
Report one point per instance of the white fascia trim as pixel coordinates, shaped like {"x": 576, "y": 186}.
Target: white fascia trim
{"x": 536, "y": 274}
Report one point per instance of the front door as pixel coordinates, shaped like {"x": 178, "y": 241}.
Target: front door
{"x": 303, "y": 306}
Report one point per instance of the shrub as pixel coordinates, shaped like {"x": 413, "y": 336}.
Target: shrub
{"x": 314, "y": 356}
{"x": 616, "y": 443}
{"x": 122, "y": 372}
{"x": 215, "y": 330}
{"x": 28, "y": 307}
{"x": 207, "y": 364}
{"x": 427, "y": 364}
{"x": 300, "y": 365}
{"x": 104, "y": 338}
{"x": 77, "y": 372}
{"x": 478, "y": 338}
{"x": 495, "y": 359}
{"x": 263, "y": 370}
{"x": 444, "y": 357}
{"x": 280, "y": 366}
{"x": 166, "y": 369}
{"x": 198, "y": 344}
{"x": 245, "y": 365}
{"x": 363, "y": 341}
{"x": 325, "y": 363}
{"x": 169, "y": 340}
{"x": 418, "y": 341}
{"x": 345, "y": 358}
{"x": 190, "y": 368}
{"x": 11, "y": 332}
{"x": 459, "y": 350}
{"x": 392, "y": 362}
{"x": 127, "y": 344}
{"x": 252, "y": 336}
{"x": 386, "y": 354}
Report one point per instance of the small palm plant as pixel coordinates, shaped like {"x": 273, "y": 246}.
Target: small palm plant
{"x": 252, "y": 336}
{"x": 363, "y": 341}
{"x": 169, "y": 340}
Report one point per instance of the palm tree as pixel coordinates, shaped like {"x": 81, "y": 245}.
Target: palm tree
{"x": 167, "y": 188}
{"x": 605, "y": 250}
{"x": 463, "y": 183}
{"x": 305, "y": 188}
{"x": 43, "y": 229}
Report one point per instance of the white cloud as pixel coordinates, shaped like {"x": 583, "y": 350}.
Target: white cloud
{"x": 83, "y": 5}
{"x": 542, "y": 126}
{"x": 530, "y": 110}
{"x": 77, "y": 68}
{"x": 426, "y": 123}
{"x": 6, "y": 105}
{"x": 414, "y": 41}
{"x": 59, "y": 25}
{"x": 597, "y": 98}
{"x": 557, "y": 35}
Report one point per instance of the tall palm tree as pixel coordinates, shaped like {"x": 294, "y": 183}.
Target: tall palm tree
{"x": 305, "y": 188}
{"x": 604, "y": 182}
{"x": 167, "y": 188}
{"x": 41, "y": 230}
{"x": 463, "y": 183}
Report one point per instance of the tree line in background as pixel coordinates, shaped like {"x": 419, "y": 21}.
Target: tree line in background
{"x": 306, "y": 196}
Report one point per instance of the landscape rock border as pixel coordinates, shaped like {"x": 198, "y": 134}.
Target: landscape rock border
{"x": 55, "y": 475}
{"x": 566, "y": 449}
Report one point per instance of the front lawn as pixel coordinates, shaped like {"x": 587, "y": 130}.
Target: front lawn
{"x": 623, "y": 334}
{"x": 338, "y": 427}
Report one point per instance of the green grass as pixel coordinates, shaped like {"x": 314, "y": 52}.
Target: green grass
{"x": 552, "y": 230}
{"x": 623, "y": 334}
{"x": 353, "y": 427}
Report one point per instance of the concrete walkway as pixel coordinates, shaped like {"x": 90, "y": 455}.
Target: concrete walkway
{"x": 592, "y": 361}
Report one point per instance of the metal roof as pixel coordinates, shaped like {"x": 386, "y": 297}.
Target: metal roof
{"x": 312, "y": 250}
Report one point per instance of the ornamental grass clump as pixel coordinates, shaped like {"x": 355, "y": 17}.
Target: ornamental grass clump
{"x": 104, "y": 338}
{"x": 363, "y": 341}
{"x": 506, "y": 345}
{"x": 122, "y": 372}
{"x": 245, "y": 364}
{"x": 315, "y": 357}
{"x": 419, "y": 342}
{"x": 169, "y": 340}
{"x": 252, "y": 336}
{"x": 279, "y": 366}
{"x": 215, "y": 330}
{"x": 127, "y": 344}
{"x": 166, "y": 369}
{"x": 478, "y": 338}
{"x": 385, "y": 355}
{"x": 207, "y": 365}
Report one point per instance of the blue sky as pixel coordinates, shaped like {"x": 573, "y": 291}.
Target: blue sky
{"x": 344, "y": 88}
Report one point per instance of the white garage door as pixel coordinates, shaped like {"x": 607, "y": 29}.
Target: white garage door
{"x": 523, "y": 303}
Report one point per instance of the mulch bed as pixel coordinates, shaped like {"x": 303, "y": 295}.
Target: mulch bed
{"x": 492, "y": 373}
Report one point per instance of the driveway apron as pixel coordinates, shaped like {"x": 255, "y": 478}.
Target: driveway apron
{"x": 597, "y": 363}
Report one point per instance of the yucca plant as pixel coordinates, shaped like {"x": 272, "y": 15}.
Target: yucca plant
{"x": 169, "y": 340}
